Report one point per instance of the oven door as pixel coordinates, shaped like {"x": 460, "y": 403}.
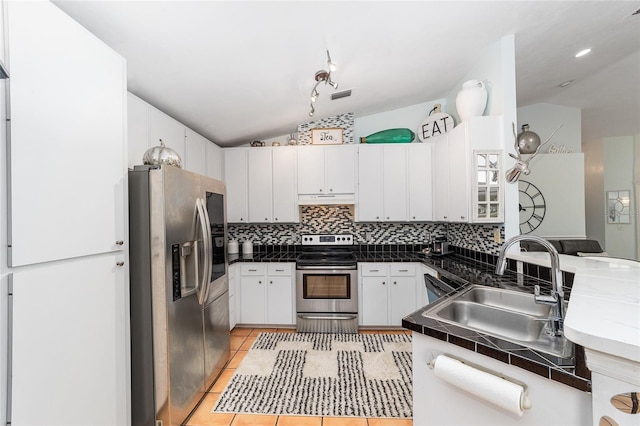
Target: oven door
{"x": 326, "y": 290}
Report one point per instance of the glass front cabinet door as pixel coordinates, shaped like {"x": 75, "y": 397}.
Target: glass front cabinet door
{"x": 488, "y": 192}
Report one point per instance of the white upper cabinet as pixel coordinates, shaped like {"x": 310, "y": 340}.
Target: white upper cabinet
{"x": 260, "y": 185}
{"x": 171, "y": 131}
{"x": 195, "y": 159}
{"x": 394, "y": 172}
{"x": 272, "y": 196}
{"x": 215, "y": 161}
{"x": 236, "y": 178}
{"x": 394, "y": 183}
{"x": 326, "y": 170}
{"x": 459, "y": 182}
{"x": 420, "y": 182}
{"x": 370, "y": 195}
{"x": 67, "y": 138}
{"x": 285, "y": 208}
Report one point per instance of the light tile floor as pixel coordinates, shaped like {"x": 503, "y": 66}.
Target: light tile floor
{"x": 241, "y": 341}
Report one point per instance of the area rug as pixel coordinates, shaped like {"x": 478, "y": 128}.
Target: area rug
{"x": 315, "y": 374}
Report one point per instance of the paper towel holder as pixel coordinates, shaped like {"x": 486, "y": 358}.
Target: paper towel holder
{"x": 526, "y": 402}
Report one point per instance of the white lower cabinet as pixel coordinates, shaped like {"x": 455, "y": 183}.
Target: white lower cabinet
{"x": 266, "y": 293}
{"x": 68, "y": 348}
{"x": 437, "y": 402}
{"x": 387, "y": 293}
{"x": 233, "y": 294}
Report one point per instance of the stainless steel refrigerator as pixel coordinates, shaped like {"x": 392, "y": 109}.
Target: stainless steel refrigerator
{"x": 179, "y": 291}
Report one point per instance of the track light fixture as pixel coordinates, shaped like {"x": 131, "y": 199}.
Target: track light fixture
{"x": 322, "y": 76}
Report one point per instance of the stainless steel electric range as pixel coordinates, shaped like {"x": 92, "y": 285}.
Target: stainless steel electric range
{"x": 327, "y": 285}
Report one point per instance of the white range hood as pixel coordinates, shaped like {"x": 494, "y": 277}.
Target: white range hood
{"x": 329, "y": 199}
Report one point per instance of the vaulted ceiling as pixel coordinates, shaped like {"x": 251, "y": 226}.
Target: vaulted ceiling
{"x": 236, "y": 71}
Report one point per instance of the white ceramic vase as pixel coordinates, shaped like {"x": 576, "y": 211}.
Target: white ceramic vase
{"x": 471, "y": 99}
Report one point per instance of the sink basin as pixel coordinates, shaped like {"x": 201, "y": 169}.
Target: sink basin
{"x": 506, "y": 314}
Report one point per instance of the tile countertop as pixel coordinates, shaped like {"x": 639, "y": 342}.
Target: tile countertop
{"x": 572, "y": 372}
{"x": 604, "y": 314}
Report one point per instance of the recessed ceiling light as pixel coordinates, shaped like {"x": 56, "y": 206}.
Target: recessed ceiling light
{"x": 566, "y": 83}
{"x": 582, "y": 52}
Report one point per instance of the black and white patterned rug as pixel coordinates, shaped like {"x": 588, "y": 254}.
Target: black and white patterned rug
{"x": 315, "y": 374}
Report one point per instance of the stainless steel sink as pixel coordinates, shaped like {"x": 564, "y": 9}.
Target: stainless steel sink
{"x": 506, "y": 314}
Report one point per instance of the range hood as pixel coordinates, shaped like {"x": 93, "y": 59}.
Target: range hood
{"x": 329, "y": 199}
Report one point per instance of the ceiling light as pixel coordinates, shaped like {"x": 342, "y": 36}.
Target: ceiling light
{"x": 566, "y": 83}
{"x": 582, "y": 52}
{"x": 319, "y": 77}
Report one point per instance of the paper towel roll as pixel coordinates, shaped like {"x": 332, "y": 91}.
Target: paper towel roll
{"x": 498, "y": 391}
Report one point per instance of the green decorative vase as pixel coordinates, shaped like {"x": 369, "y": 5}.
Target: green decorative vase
{"x": 390, "y": 136}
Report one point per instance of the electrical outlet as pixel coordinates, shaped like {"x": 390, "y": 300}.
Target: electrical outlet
{"x": 496, "y": 236}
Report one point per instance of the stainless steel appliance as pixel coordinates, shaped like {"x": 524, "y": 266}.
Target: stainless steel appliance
{"x": 327, "y": 285}
{"x": 440, "y": 246}
{"x": 179, "y": 296}
{"x": 438, "y": 286}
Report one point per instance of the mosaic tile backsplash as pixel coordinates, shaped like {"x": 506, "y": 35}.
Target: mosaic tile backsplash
{"x": 339, "y": 220}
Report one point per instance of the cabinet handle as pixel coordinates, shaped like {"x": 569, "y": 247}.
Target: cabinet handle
{"x": 377, "y": 217}
{"x": 252, "y": 270}
{"x": 383, "y": 283}
{"x": 119, "y": 242}
{"x": 279, "y": 270}
{"x": 276, "y": 218}
{"x": 445, "y": 217}
{"x": 320, "y": 189}
{"x": 270, "y": 282}
{"x": 330, "y": 189}
{"x": 373, "y": 270}
{"x": 265, "y": 219}
{"x": 259, "y": 282}
{"x": 387, "y": 217}
{"x": 120, "y": 263}
{"x": 403, "y": 270}
{"x": 414, "y": 217}
{"x": 461, "y": 217}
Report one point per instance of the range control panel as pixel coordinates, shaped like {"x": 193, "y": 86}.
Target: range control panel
{"x": 328, "y": 239}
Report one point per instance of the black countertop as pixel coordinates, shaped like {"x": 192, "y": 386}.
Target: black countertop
{"x": 466, "y": 270}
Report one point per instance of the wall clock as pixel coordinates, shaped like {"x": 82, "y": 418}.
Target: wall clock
{"x": 532, "y": 206}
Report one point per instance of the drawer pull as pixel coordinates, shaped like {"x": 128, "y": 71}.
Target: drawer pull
{"x": 373, "y": 270}
{"x": 279, "y": 270}
{"x": 403, "y": 270}
{"x": 253, "y": 270}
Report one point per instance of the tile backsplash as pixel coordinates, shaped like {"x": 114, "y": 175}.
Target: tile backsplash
{"x": 338, "y": 219}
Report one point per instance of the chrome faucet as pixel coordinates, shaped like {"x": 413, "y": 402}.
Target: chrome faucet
{"x": 556, "y": 298}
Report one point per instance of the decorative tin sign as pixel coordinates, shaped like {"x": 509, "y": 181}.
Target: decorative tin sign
{"x": 435, "y": 125}
{"x": 329, "y": 136}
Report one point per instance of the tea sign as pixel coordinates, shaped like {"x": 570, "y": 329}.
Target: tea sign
{"x": 329, "y": 136}
{"x": 435, "y": 125}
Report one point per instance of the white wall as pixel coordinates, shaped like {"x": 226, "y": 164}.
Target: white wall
{"x": 594, "y": 191}
{"x": 559, "y": 176}
{"x": 618, "y": 155}
{"x": 544, "y": 119}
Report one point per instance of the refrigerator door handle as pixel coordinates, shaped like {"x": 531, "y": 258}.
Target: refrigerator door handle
{"x": 204, "y": 279}
{"x": 209, "y": 249}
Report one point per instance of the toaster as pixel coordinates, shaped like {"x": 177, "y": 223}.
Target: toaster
{"x": 440, "y": 246}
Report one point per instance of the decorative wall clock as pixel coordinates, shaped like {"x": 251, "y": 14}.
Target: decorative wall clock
{"x": 532, "y": 207}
